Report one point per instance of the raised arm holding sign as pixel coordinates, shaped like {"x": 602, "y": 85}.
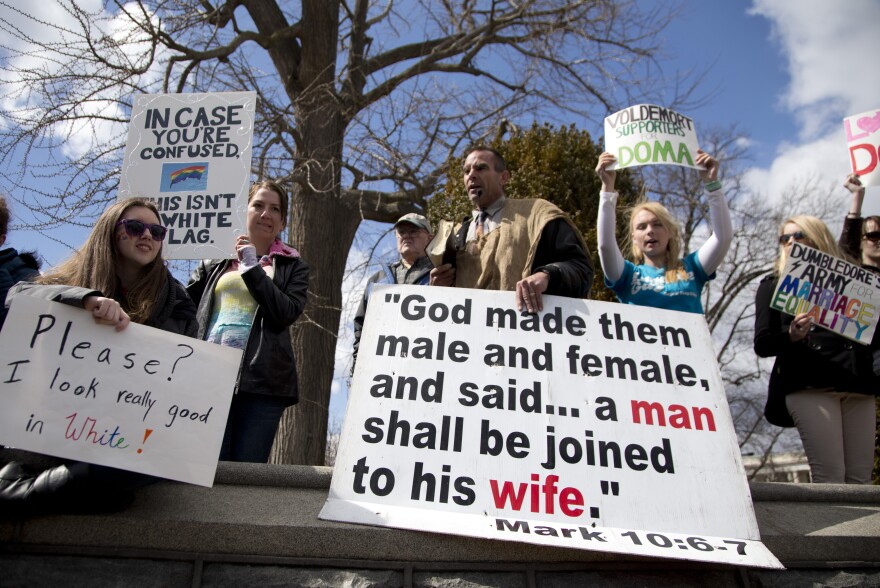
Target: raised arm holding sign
{"x": 657, "y": 276}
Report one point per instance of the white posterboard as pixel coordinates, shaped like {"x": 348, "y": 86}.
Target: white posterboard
{"x": 191, "y": 154}
{"x": 140, "y": 399}
{"x": 840, "y": 296}
{"x": 863, "y": 142}
{"x": 647, "y": 134}
{"x": 591, "y": 425}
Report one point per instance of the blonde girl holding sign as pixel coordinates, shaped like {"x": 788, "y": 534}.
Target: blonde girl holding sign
{"x": 821, "y": 382}
{"x": 658, "y": 276}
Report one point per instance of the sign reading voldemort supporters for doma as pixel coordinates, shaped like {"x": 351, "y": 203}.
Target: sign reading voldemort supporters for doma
{"x": 590, "y": 425}
{"x": 647, "y": 134}
{"x": 191, "y": 155}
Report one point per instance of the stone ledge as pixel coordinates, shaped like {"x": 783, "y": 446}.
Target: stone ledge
{"x": 255, "y": 511}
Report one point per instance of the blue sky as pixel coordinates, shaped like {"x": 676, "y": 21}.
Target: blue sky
{"x": 786, "y": 72}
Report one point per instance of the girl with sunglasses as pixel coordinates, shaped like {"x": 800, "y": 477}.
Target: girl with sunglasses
{"x": 821, "y": 383}
{"x": 119, "y": 276}
{"x": 250, "y": 303}
{"x": 657, "y": 276}
{"x": 861, "y": 237}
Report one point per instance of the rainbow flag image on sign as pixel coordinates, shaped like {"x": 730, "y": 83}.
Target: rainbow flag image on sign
{"x": 184, "y": 177}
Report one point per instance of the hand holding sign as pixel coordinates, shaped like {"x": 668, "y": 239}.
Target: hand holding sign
{"x": 77, "y": 390}
{"x": 106, "y": 311}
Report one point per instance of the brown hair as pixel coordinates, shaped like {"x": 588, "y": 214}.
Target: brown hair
{"x": 278, "y": 189}
{"x": 93, "y": 266}
{"x": 500, "y": 164}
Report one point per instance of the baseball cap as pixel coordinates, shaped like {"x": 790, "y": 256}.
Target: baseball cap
{"x": 415, "y": 219}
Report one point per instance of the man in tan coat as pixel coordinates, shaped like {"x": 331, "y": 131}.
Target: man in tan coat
{"x": 526, "y": 245}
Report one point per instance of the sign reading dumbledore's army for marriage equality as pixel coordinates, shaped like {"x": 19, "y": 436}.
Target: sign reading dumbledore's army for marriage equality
{"x": 139, "y": 399}
{"x": 841, "y": 297}
{"x": 590, "y": 425}
{"x": 647, "y": 134}
{"x": 191, "y": 155}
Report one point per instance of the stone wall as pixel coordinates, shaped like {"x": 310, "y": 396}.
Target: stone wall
{"x": 259, "y": 526}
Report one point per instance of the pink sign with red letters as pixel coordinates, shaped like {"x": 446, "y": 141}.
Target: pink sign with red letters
{"x": 863, "y": 141}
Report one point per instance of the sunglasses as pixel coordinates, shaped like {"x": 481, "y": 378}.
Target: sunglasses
{"x": 872, "y": 236}
{"x": 136, "y": 228}
{"x": 798, "y": 236}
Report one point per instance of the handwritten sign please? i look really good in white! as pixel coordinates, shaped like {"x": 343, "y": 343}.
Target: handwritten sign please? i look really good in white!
{"x": 140, "y": 399}
{"x": 590, "y": 425}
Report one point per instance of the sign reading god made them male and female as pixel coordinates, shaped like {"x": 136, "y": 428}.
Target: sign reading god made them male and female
{"x": 863, "y": 141}
{"x": 647, "y": 134}
{"x": 140, "y": 399}
{"x": 591, "y": 425}
{"x": 191, "y": 154}
{"x": 840, "y": 296}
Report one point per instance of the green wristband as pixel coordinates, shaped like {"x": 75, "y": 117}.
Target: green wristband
{"x": 713, "y": 185}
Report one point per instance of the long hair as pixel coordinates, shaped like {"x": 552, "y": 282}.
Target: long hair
{"x": 93, "y": 266}
{"x": 674, "y": 268}
{"x": 818, "y": 234}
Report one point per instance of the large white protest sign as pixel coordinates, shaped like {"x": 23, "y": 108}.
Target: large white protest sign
{"x": 191, "y": 154}
{"x": 840, "y": 296}
{"x": 863, "y": 141}
{"x": 647, "y": 134}
{"x": 140, "y": 399}
{"x": 591, "y": 425}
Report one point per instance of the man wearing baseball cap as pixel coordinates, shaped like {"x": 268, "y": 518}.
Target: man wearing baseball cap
{"x": 413, "y": 235}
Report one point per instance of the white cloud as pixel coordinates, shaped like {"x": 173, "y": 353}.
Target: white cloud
{"x": 830, "y": 50}
{"x": 29, "y": 41}
{"x": 831, "y": 53}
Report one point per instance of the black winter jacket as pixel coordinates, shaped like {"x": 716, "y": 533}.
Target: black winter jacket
{"x": 268, "y": 365}
{"x": 821, "y": 360}
{"x": 15, "y": 267}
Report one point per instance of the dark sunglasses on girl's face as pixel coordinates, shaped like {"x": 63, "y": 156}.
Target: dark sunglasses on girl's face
{"x": 136, "y": 228}
{"x": 872, "y": 236}
{"x": 783, "y": 239}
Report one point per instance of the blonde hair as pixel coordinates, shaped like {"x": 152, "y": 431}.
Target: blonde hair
{"x": 674, "y": 268}
{"x": 93, "y": 266}
{"x": 818, "y": 234}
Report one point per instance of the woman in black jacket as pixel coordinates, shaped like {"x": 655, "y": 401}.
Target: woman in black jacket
{"x": 14, "y": 266}
{"x": 821, "y": 383}
{"x": 250, "y": 303}
{"x": 120, "y": 277}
